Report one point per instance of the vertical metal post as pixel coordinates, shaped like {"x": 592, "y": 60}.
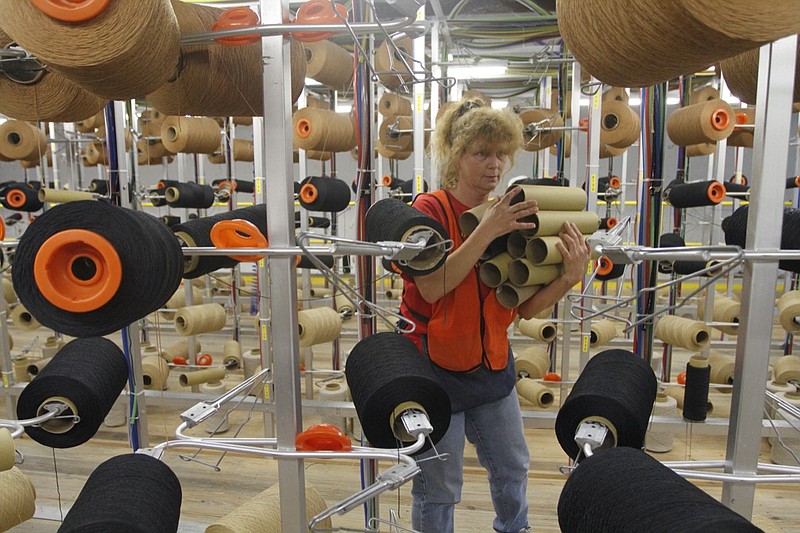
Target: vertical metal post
{"x": 418, "y": 49}
{"x": 770, "y": 159}
{"x": 282, "y": 271}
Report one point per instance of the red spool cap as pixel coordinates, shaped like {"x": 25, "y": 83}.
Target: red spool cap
{"x": 322, "y": 437}
{"x": 234, "y": 18}
{"x": 238, "y": 233}
{"x": 317, "y": 12}
{"x": 71, "y": 10}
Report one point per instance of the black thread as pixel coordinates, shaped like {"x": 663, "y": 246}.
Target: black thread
{"x": 91, "y": 374}
{"x": 735, "y": 228}
{"x": 190, "y": 195}
{"x": 30, "y": 194}
{"x": 134, "y": 493}
{"x": 99, "y": 187}
{"x": 695, "y": 394}
{"x": 332, "y": 195}
{"x": 696, "y": 194}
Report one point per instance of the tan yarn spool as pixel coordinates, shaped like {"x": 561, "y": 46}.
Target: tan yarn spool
{"x": 318, "y": 325}
{"x": 190, "y": 135}
{"x": 566, "y": 144}
{"x": 510, "y": 296}
{"x": 683, "y": 332}
{"x": 95, "y": 154}
{"x": 550, "y": 223}
{"x": 702, "y": 149}
{"x": 741, "y": 76}
{"x": 53, "y": 98}
{"x": 35, "y": 367}
{"x": 533, "y": 362}
{"x": 722, "y": 369}
{"x": 470, "y": 218}
{"x": 21, "y": 369}
{"x": 516, "y": 244}
{"x": 333, "y": 391}
{"x": 619, "y": 124}
{"x": 743, "y": 137}
{"x": 389, "y": 65}
{"x": 189, "y": 379}
{"x": 602, "y": 332}
{"x": 703, "y": 94}
{"x": 786, "y": 368}
{"x": 788, "y": 309}
{"x": 251, "y": 363}
{"x": 232, "y": 354}
{"x": 89, "y": 124}
{"x": 243, "y": 150}
{"x": 155, "y": 372}
{"x": 393, "y": 105}
{"x": 544, "y": 137}
{"x": 662, "y": 39}
{"x": 151, "y": 150}
{"x": 474, "y": 94}
{"x": 198, "y": 319}
{"x": 262, "y": 513}
{"x": 180, "y": 349}
{"x": 677, "y": 392}
{"x": 21, "y": 141}
{"x": 610, "y": 151}
{"x": 400, "y": 142}
{"x": 550, "y": 198}
{"x": 51, "y": 347}
{"x": 178, "y": 300}
{"x": 330, "y": 64}
{"x": 494, "y": 272}
{"x": 318, "y": 155}
{"x": 388, "y": 153}
{"x": 522, "y": 272}
{"x": 323, "y": 130}
{"x": 126, "y": 51}
{"x": 243, "y": 121}
{"x": 17, "y": 498}
{"x": 7, "y": 450}
{"x": 9, "y": 294}
{"x": 534, "y": 392}
{"x": 320, "y": 292}
{"x": 344, "y": 306}
{"x": 618, "y": 94}
{"x": 656, "y": 441}
{"x": 725, "y": 310}
{"x": 538, "y": 329}
{"x": 60, "y": 196}
{"x": 708, "y": 121}
{"x": 394, "y": 294}
{"x": 218, "y": 422}
{"x": 22, "y": 319}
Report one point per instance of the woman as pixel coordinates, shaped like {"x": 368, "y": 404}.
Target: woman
{"x": 461, "y": 327}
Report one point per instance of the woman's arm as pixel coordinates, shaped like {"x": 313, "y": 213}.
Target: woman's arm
{"x": 575, "y": 254}
{"x": 499, "y": 219}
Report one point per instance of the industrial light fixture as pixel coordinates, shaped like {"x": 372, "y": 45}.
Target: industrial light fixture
{"x": 485, "y": 68}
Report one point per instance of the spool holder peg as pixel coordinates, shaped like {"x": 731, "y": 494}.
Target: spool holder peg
{"x": 19, "y": 66}
{"x": 204, "y": 410}
{"x": 593, "y": 435}
{"x": 53, "y": 408}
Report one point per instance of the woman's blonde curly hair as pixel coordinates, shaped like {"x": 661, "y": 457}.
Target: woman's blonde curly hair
{"x": 469, "y": 124}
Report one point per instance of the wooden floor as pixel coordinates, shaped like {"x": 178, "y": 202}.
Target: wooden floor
{"x": 58, "y": 476}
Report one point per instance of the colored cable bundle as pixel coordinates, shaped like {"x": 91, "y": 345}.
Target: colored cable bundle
{"x": 87, "y": 375}
{"x": 21, "y": 197}
{"x": 391, "y": 219}
{"x": 131, "y": 492}
{"x": 696, "y": 194}
{"x": 735, "y": 228}
{"x": 625, "y": 489}
{"x": 323, "y": 193}
{"x": 197, "y": 233}
{"x": 386, "y": 374}
{"x": 615, "y": 388}
{"x": 87, "y": 268}
{"x": 191, "y": 195}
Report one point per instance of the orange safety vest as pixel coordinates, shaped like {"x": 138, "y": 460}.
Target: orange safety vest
{"x": 465, "y": 330}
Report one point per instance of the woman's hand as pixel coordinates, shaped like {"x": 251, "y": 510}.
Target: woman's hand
{"x": 574, "y": 251}
{"x": 502, "y": 217}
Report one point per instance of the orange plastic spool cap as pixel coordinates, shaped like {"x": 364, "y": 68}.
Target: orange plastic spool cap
{"x": 604, "y": 266}
{"x": 317, "y": 12}
{"x": 2, "y": 229}
{"x": 716, "y": 192}
{"x": 15, "y": 198}
{"x": 386, "y": 181}
{"x": 308, "y": 193}
{"x": 720, "y": 119}
{"x": 322, "y": 437}
{"x": 682, "y": 378}
{"x": 551, "y": 376}
{"x": 741, "y": 118}
{"x": 611, "y": 223}
{"x": 77, "y": 270}
{"x": 234, "y": 18}
{"x": 614, "y": 182}
{"x": 238, "y": 233}
{"x": 71, "y": 10}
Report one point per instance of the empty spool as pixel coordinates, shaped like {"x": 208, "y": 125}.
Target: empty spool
{"x": 541, "y": 330}
{"x": 533, "y": 362}
{"x": 199, "y": 319}
{"x": 683, "y": 332}
{"x": 539, "y": 395}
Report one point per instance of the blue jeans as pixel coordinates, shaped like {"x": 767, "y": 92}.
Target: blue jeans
{"x": 496, "y": 431}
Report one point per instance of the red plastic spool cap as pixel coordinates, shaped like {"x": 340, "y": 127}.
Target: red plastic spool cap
{"x": 234, "y": 18}
{"x": 71, "y": 10}
{"x": 179, "y": 360}
{"x": 322, "y": 437}
{"x": 309, "y": 193}
{"x": 15, "y": 198}
{"x": 317, "y": 12}
{"x": 611, "y": 223}
{"x": 238, "y": 233}
{"x": 614, "y": 182}
{"x": 77, "y": 270}
{"x": 205, "y": 360}
{"x": 551, "y": 376}
{"x": 386, "y": 181}
{"x": 716, "y": 192}
{"x": 720, "y": 119}
{"x": 682, "y": 378}
{"x": 604, "y": 266}
{"x": 2, "y": 229}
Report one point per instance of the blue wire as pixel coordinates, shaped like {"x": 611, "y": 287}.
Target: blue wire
{"x": 134, "y": 418}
